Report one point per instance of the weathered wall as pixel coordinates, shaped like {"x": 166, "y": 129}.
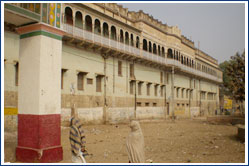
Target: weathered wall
{"x": 120, "y": 103}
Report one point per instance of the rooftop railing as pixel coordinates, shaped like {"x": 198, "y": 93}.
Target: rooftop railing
{"x": 101, "y": 40}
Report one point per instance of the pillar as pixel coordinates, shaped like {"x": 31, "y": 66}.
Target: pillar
{"x": 39, "y": 94}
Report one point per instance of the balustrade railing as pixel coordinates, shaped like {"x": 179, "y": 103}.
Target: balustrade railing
{"x": 80, "y": 33}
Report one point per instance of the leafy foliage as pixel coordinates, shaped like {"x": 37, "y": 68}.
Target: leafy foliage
{"x": 234, "y": 77}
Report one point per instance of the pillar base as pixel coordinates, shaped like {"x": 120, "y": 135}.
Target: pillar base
{"x": 46, "y": 155}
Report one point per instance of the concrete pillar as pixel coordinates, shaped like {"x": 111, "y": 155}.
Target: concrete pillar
{"x": 73, "y": 15}
{"x": 39, "y": 94}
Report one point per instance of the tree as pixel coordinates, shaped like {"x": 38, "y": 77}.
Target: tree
{"x": 234, "y": 77}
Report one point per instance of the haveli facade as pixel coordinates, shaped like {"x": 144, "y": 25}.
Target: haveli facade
{"x": 111, "y": 63}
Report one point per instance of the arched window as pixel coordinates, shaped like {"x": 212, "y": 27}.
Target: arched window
{"x": 127, "y": 38}
{"x": 154, "y": 49}
{"x": 105, "y": 30}
{"x": 159, "y": 50}
{"x": 163, "y": 52}
{"x": 132, "y": 41}
{"x": 184, "y": 62}
{"x": 68, "y": 19}
{"x": 78, "y": 20}
{"x": 176, "y": 55}
{"x": 150, "y": 47}
{"x": 137, "y": 42}
{"x": 187, "y": 62}
{"x": 97, "y": 28}
{"x": 113, "y": 33}
{"x": 88, "y": 23}
{"x": 181, "y": 59}
{"x": 145, "y": 45}
{"x": 121, "y": 36}
{"x": 170, "y": 53}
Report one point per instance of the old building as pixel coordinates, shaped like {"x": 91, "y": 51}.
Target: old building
{"x": 113, "y": 64}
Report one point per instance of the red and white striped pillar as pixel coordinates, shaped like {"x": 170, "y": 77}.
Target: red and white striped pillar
{"x": 39, "y": 94}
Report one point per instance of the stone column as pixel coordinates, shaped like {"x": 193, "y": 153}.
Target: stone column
{"x": 39, "y": 94}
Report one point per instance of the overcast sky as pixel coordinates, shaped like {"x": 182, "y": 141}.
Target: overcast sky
{"x": 220, "y": 28}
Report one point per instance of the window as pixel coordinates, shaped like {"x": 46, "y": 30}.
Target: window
{"x": 98, "y": 83}
{"x": 187, "y": 93}
{"x": 162, "y": 89}
{"x": 203, "y": 95}
{"x": 167, "y": 77}
{"x": 147, "y": 104}
{"x": 131, "y": 87}
{"x": 89, "y": 81}
{"x": 183, "y": 105}
{"x": 80, "y": 80}
{"x": 148, "y": 89}
{"x": 154, "y": 104}
{"x": 140, "y": 88}
{"x": 177, "y": 92}
{"x": 183, "y": 93}
{"x": 191, "y": 94}
{"x": 132, "y": 70}
{"x": 119, "y": 68}
{"x": 156, "y": 90}
{"x": 139, "y": 104}
{"x": 187, "y": 105}
{"x": 161, "y": 77}
{"x": 62, "y": 76}
{"x": 210, "y": 96}
{"x": 16, "y": 73}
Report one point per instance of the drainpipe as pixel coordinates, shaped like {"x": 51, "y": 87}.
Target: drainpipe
{"x": 165, "y": 99}
{"x": 200, "y": 95}
{"x": 172, "y": 93}
{"x": 189, "y": 103}
{"x": 135, "y": 111}
{"x": 105, "y": 103}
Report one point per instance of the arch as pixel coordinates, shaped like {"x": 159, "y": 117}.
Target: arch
{"x": 163, "y": 52}
{"x": 97, "y": 28}
{"x": 170, "y": 53}
{"x": 88, "y": 23}
{"x": 68, "y": 18}
{"x": 127, "y": 38}
{"x": 137, "y": 42}
{"x": 121, "y": 36}
{"x": 154, "y": 49}
{"x": 78, "y": 20}
{"x": 150, "y": 47}
{"x": 105, "y": 30}
{"x": 145, "y": 44}
{"x": 132, "y": 41}
{"x": 159, "y": 50}
{"x": 113, "y": 33}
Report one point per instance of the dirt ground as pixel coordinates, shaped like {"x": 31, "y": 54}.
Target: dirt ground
{"x": 182, "y": 141}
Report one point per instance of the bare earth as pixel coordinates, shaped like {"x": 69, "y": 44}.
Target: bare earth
{"x": 182, "y": 141}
